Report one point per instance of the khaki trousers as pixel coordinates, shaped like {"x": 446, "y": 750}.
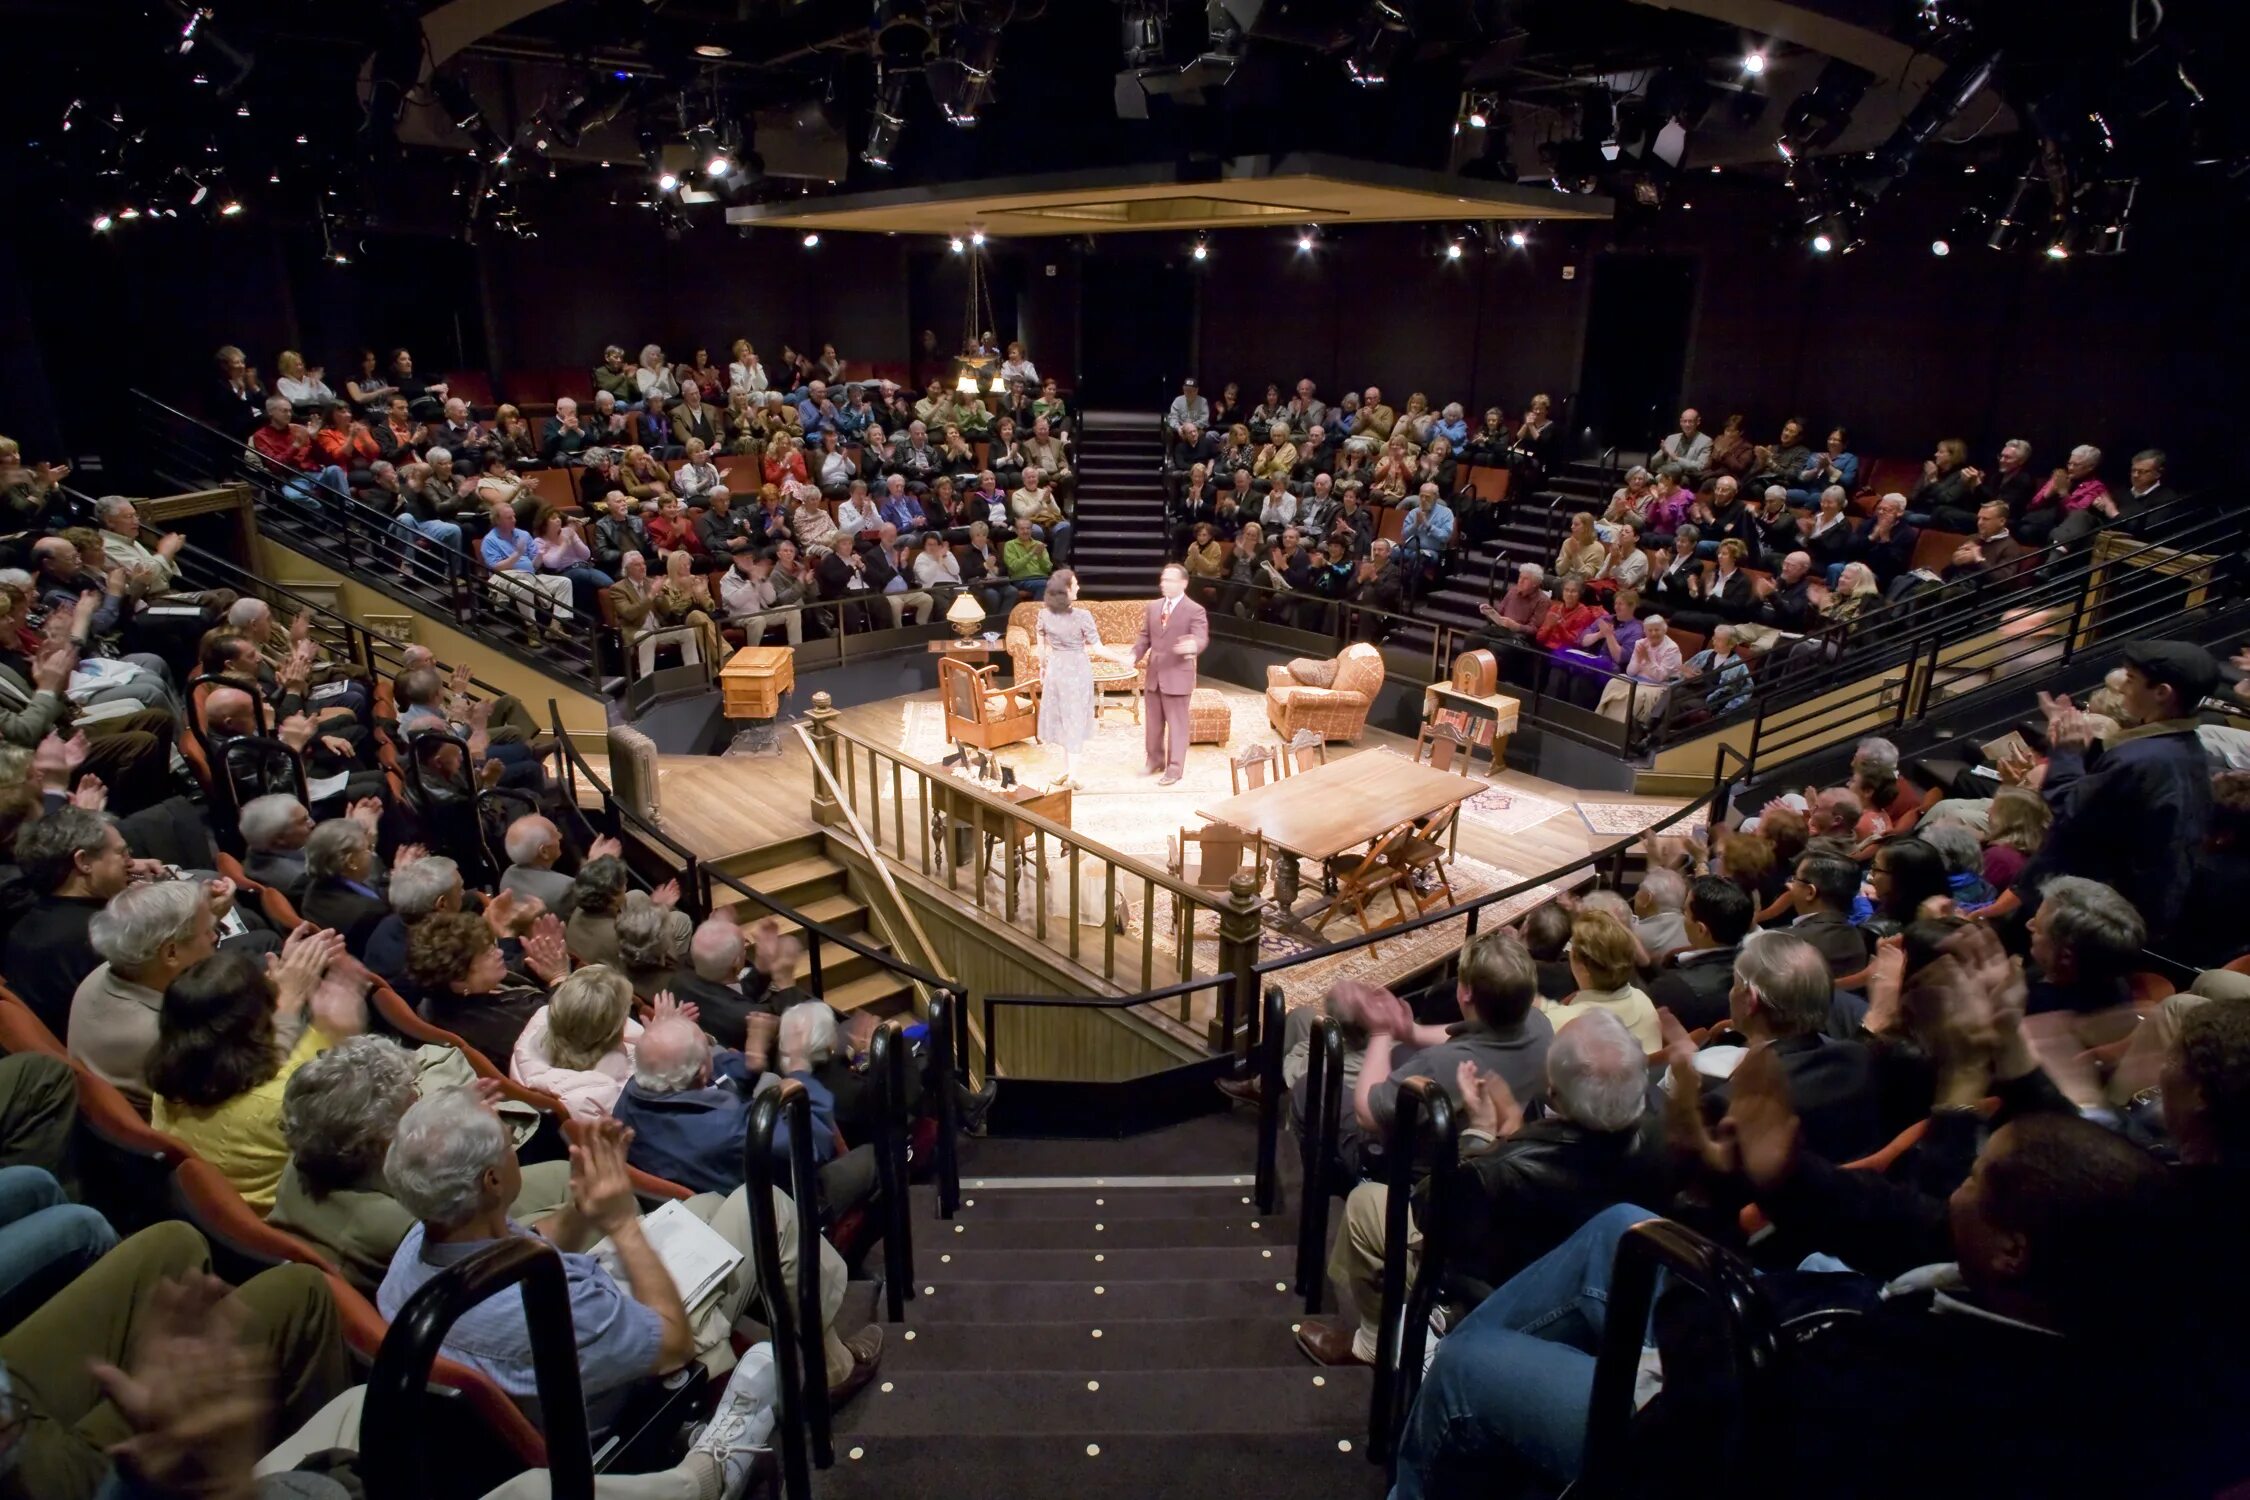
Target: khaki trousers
{"x": 1355, "y": 1261}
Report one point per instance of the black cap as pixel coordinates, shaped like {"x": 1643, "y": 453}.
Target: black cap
{"x": 2187, "y": 669}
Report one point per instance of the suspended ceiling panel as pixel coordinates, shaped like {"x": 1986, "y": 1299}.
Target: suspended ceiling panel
{"x": 1233, "y": 194}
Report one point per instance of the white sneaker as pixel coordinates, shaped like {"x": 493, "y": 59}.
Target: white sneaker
{"x": 742, "y": 1425}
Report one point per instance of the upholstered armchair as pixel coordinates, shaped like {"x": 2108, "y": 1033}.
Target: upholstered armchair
{"x": 1328, "y": 697}
{"x": 980, "y": 712}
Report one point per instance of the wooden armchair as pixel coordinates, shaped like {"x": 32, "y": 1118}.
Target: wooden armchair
{"x": 980, "y": 712}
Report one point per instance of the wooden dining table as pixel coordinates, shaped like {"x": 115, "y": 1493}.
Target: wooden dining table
{"x": 1333, "y": 809}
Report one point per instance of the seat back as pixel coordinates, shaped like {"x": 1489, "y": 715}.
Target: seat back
{"x": 1306, "y": 749}
{"x": 21, "y": 1030}
{"x": 1222, "y": 848}
{"x": 1251, "y": 768}
{"x": 1488, "y": 484}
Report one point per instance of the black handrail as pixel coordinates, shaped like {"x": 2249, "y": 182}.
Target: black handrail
{"x": 886, "y": 1060}
{"x": 1272, "y": 1020}
{"x": 1405, "y": 1327}
{"x": 1097, "y": 1002}
{"x": 945, "y": 1017}
{"x": 800, "y": 1360}
{"x": 392, "y": 1436}
{"x": 1650, "y": 1247}
{"x": 1316, "y": 1152}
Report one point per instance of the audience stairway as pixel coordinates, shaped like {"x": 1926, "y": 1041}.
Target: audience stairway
{"x": 800, "y": 874}
{"x": 1531, "y": 529}
{"x": 1104, "y": 1338}
{"x": 1118, "y": 538}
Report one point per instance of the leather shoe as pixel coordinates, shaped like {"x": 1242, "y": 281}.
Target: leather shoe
{"x": 1243, "y": 1090}
{"x": 1170, "y": 778}
{"x": 1325, "y": 1344}
{"x": 867, "y": 1354}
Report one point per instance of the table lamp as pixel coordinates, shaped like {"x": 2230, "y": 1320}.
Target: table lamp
{"x": 965, "y": 614}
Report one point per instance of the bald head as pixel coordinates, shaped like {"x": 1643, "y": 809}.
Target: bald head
{"x": 673, "y": 1055}
{"x": 228, "y": 711}
{"x": 716, "y": 951}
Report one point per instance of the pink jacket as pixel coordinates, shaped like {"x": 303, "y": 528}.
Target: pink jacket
{"x": 1158, "y": 642}
{"x": 588, "y": 1093}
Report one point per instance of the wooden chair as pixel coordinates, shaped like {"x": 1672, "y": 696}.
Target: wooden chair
{"x": 980, "y": 711}
{"x": 1438, "y": 746}
{"x": 1370, "y": 877}
{"x": 1252, "y": 768}
{"x": 1306, "y": 749}
{"x": 1209, "y": 858}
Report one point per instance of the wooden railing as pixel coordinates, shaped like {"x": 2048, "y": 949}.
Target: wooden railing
{"x": 922, "y": 816}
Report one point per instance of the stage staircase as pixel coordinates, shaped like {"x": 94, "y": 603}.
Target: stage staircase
{"x": 1532, "y": 525}
{"x": 1102, "y": 1338}
{"x": 800, "y": 874}
{"x": 1118, "y": 537}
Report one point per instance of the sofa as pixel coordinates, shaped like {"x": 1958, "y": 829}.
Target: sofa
{"x": 1329, "y": 697}
{"x": 1119, "y": 621}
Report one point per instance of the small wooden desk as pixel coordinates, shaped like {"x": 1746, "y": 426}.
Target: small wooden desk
{"x": 1500, "y": 708}
{"x": 755, "y": 680}
{"x": 955, "y": 818}
{"x": 1332, "y": 809}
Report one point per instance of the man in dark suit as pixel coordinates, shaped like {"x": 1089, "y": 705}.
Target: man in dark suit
{"x": 274, "y": 829}
{"x": 2147, "y": 490}
{"x": 1782, "y": 997}
{"x": 1174, "y": 632}
{"x": 1694, "y": 984}
{"x": 1821, "y": 890}
{"x": 712, "y": 980}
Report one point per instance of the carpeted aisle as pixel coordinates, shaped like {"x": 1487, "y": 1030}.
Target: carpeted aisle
{"x": 1110, "y": 1342}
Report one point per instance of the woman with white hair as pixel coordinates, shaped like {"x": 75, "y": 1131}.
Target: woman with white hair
{"x": 579, "y": 1045}
{"x": 339, "y": 1112}
{"x": 654, "y": 379}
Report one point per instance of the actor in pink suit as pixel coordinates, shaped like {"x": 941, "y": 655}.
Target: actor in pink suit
{"x": 1173, "y": 634}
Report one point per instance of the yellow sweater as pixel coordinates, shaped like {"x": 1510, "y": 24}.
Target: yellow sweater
{"x": 242, "y": 1137}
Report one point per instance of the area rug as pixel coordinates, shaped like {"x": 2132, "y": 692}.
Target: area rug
{"x": 1616, "y": 820}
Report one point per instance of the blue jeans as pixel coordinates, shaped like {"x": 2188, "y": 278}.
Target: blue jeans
{"x": 586, "y": 585}
{"x": 45, "y": 1240}
{"x": 324, "y": 487}
{"x": 1503, "y": 1409}
{"x": 1032, "y": 588}
{"x": 445, "y": 533}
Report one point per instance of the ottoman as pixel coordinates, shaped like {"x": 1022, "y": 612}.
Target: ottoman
{"x": 1209, "y": 723}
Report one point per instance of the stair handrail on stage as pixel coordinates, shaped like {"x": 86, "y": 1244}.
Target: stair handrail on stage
{"x": 344, "y": 532}
{"x": 868, "y": 847}
{"x": 799, "y": 1347}
{"x": 1404, "y": 1331}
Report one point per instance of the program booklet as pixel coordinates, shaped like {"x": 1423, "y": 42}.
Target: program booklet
{"x": 695, "y": 1254}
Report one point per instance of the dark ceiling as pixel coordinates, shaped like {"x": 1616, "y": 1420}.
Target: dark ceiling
{"x": 330, "y": 113}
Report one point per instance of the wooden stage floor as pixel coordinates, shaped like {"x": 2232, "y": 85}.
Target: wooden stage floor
{"x": 720, "y": 806}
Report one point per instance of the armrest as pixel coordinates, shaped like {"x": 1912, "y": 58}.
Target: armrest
{"x": 1317, "y": 697}
{"x": 1278, "y": 677}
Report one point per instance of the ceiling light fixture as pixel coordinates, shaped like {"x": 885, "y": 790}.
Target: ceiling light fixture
{"x": 667, "y": 181}
{"x": 1822, "y": 244}
{"x": 713, "y": 50}
{"x": 1453, "y": 250}
{"x": 717, "y": 166}
{"x": 102, "y": 223}
{"x": 1519, "y": 238}
{"x": 955, "y": 245}
{"x": 812, "y": 241}
{"x": 1754, "y": 63}
{"x": 1202, "y": 250}
{"x": 2058, "y": 251}
{"x": 1940, "y": 247}
{"x": 976, "y": 238}
{"x": 1305, "y": 243}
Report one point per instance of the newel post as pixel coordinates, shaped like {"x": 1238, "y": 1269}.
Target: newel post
{"x": 822, "y": 717}
{"x": 1235, "y": 1026}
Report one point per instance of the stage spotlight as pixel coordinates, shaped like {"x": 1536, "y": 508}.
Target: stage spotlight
{"x": 1822, "y": 244}
{"x": 1453, "y": 250}
{"x": 128, "y": 212}
{"x": 887, "y": 121}
{"x": 955, "y": 245}
{"x": 230, "y": 208}
{"x": 1754, "y": 63}
{"x": 976, "y": 238}
{"x": 1940, "y": 247}
{"x": 1304, "y": 244}
{"x": 667, "y": 181}
{"x": 713, "y": 50}
{"x": 717, "y": 166}
{"x": 2058, "y": 251}
{"x": 1518, "y": 238}
{"x": 812, "y": 241}
{"x": 1202, "y": 250}
{"x": 102, "y": 223}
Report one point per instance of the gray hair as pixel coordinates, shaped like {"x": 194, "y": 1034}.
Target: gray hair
{"x": 1790, "y": 978}
{"x": 2019, "y": 445}
{"x": 1875, "y": 755}
{"x": 2150, "y": 456}
{"x": 1597, "y": 1073}
{"x": 340, "y": 1110}
{"x": 113, "y": 505}
{"x": 525, "y": 837}
{"x": 141, "y": 919}
{"x": 1536, "y": 573}
{"x": 811, "y": 1026}
{"x": 1611, "y": 902}
{"x": 248, "y": 612}
{"x": 1666, "y": 889}
{"x": 417, "y": 889}
{"x": 2086, "y": 453}
{"x": 1836, "y": 490}
{"x": 2099, "y": 927}
{"x": 438, "y": 456}
{"x": 670, "y": 1056}
{"x": 263, "y": 819}
{"x": 1640, "y": 472}
{"x": 649, "y": 936}
{"x": 332, "y": 846}
{"x": 1955, "y": 842}
{"x": 439, "y": 1154}
{"x": 1776, "y": 492}
{"x": 716, "y": 951}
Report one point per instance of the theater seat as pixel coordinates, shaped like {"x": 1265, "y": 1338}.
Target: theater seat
{"x": 21, "y": 1030}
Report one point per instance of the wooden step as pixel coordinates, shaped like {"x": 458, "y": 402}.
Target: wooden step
{"x": 844, "y": 913}
{"x": 840, "y": 965}
{"x": 881, "y": 990}
{"x": 795, "y": 883}
{"x": 769, "y": 856}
